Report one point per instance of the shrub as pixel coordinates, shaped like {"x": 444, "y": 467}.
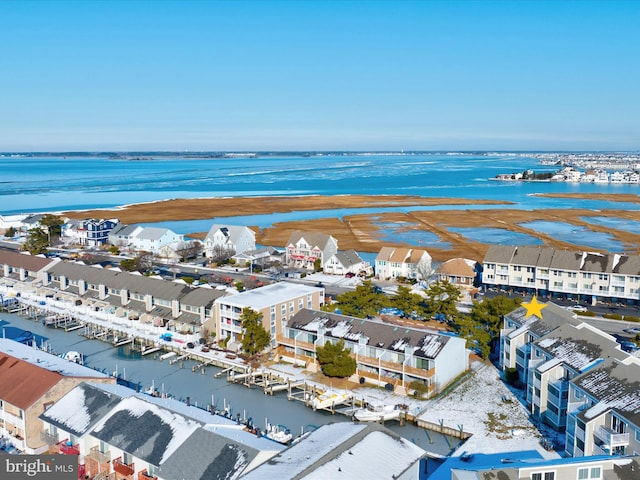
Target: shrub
{"x": 335, "y": 360}
{"x": 511, "y": 376}
{"x": 613, "y": 316}
{"x": 588, "y": 313}
{"x": 631, "y": 318}
{"x": 419, "y": 388}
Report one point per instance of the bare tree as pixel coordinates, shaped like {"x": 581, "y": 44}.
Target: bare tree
{"x": 189, "y": 249}
{"x": 221, "y": 253}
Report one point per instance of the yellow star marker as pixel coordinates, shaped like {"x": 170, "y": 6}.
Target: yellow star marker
{"x": 534, "y": 308}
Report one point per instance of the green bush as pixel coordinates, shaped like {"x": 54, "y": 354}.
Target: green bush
{"x": 511, "y": 375}
{"x": 419, "y": 388}
{"x": 613, "y": 316}
{"x": 335, "y": 360}
{"x": 588, "y": 313}
{"x": 631, "y": 318}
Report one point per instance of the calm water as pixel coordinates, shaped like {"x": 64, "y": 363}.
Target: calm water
{"x": 58, "y": 184}
{"x": 49, "y": 184}
{"x": 201, "y": 389}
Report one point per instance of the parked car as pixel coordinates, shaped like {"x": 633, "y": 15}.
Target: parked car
{"x": 578, "y": 308}
{"x": 628, "y": 346}
{"x": 632, "y": 330}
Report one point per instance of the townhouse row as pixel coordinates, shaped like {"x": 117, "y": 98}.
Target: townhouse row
{"x": 385, "y": 354}
{"x": 544, "y": 271}
{"x": 577, "y": 380}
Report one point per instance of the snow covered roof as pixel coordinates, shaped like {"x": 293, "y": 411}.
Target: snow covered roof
{"x": 578, "y": 347}
{"x": 80, "y": 409}
{"x": 343, "y": 450}
{"x": 427, "y": 344}
{"x": 263, "y": 297}
{"x": 553, "y": 316}
{"x": 615, "y": 386}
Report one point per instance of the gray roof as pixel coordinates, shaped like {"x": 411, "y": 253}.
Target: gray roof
{"x": 122, "y": 230}
{"x": 29, "y": 262}
{"x": 499, "y": 254}
{"x": 526, "y": 256}
{"x": 80, "y": 409}
{"x": 343, "y": 450}
{"x": 626, "y": 265}
{"x": 578, "y": 347}
{"x": 207, "y": 456}
{"x": 553, "y": 316}
{"x": 201, "y": 297}
{"x": 349, "y": 258}
{"x": 152, "y": 233}
{"x": 378, "y": 334}
{"x": 233, "y": 232}
{"x": 616, "y": 386}
{"x": 314, "y": 239}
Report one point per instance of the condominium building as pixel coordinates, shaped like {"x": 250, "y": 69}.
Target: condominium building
{"x": 384, "y": 353}
{"x": 588, "y": 276}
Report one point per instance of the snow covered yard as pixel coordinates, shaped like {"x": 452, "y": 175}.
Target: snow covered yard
{"x": 483, "y": 406}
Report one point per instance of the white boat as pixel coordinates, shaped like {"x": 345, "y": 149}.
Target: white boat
{"x": 73, "y": 356}
{"x": 278, "y": 433}
{"x": 379, "y": 413}
{"x": 329, "y": 399}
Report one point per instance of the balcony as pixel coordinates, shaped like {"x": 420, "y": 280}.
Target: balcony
{"x": 49, "y": 438}
{"x": 122, "y": 468}
{"x": 144, "y": 475}
{"x": 98, "y": 456}
{"x": 67, "y": 448}
{"x": 611, "y": 438}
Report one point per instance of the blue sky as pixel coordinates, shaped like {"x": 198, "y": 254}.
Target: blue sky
{"x": 319, "y": 75}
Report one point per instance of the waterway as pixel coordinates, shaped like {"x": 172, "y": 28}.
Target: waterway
{"x": 200, "y": 389}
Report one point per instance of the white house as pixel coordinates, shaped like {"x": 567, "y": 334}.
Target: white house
{"x": 148, "y": 239}
{"x": 341, "y": 263}
{"x": 394, "y": 262}
{"x": 304, "y": 248}
{"x": 229, "y": 238}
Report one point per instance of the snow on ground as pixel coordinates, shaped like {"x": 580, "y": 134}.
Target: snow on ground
{"x": 336, "y": 280}
{"x": 486, "y": 408}
{"x": 482, "y": 404}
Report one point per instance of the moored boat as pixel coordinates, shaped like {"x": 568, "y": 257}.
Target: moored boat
{"x": 330, "y": 398}
{"x": 379, "y": 413}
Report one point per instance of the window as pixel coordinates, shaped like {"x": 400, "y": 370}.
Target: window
{"x": 583, "y": 473}
{"x": 595, "y": 472}
{"x": 543, "y": 476}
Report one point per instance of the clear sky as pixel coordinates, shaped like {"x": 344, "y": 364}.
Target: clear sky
{"x": 319, "y": 75}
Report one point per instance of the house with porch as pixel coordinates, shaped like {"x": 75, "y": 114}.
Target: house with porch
{"x": 384, "y": 353}
{"x": 303, "y": 249}
{"x": 31, "y": 381}
{"x": 91, "y": 232}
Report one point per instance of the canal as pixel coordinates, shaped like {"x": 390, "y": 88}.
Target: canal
{"x": 200, "y": 389}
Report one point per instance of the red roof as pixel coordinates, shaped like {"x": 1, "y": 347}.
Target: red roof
{"x": 22, "y": 383}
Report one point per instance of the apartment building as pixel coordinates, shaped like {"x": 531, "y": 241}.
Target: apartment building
{"x": 383, "y": 353}
{"x": 588, "y": 276}
{"x": 276, "y": 303}
{"x": 604, "y": 410}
